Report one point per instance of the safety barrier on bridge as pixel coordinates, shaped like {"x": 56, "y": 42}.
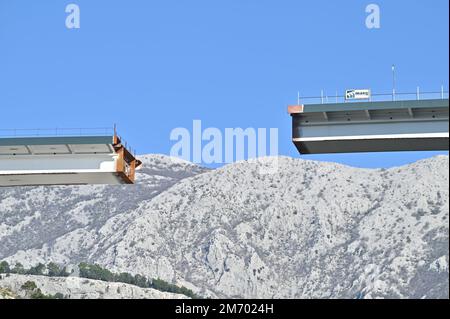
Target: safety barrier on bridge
{"x": 326, "y": 98}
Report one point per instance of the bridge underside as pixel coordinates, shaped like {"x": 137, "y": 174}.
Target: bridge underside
{"x": 371, "y": 127}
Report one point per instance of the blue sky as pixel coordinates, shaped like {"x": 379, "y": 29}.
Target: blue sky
{"x": 151, "y": 66}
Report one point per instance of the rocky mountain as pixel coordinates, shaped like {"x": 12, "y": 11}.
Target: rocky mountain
{"x": 77, "y": 288}
{"x": 42, "y": 218}
{"x": 309, "y": 230}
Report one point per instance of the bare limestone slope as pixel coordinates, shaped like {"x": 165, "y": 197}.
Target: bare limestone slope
{"x": 312, "y": 230}
{"x": 70, "y": 224}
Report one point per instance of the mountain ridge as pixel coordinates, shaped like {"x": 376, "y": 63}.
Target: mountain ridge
{"x": 306, "y": 231}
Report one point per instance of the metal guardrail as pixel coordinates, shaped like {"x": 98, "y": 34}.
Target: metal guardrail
{"x": 63, "y": 132}
{"x": 418, "y": 95}
{"x": 52, "y": 132}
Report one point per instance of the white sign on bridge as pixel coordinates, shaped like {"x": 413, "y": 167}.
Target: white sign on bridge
{"x": 363, "y": 94}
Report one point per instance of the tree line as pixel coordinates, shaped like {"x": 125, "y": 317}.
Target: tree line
{"x": 50, "y": 270}
{"x": 99, "y": 273}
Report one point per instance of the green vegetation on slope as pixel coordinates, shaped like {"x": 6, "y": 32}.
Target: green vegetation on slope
{"x": 6, "y": 293}
{"x": 95, "y": 272}
{"x": 50, "y": 270}
{"x": 33, "y": 292}
{"x": 99, "y": 273}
